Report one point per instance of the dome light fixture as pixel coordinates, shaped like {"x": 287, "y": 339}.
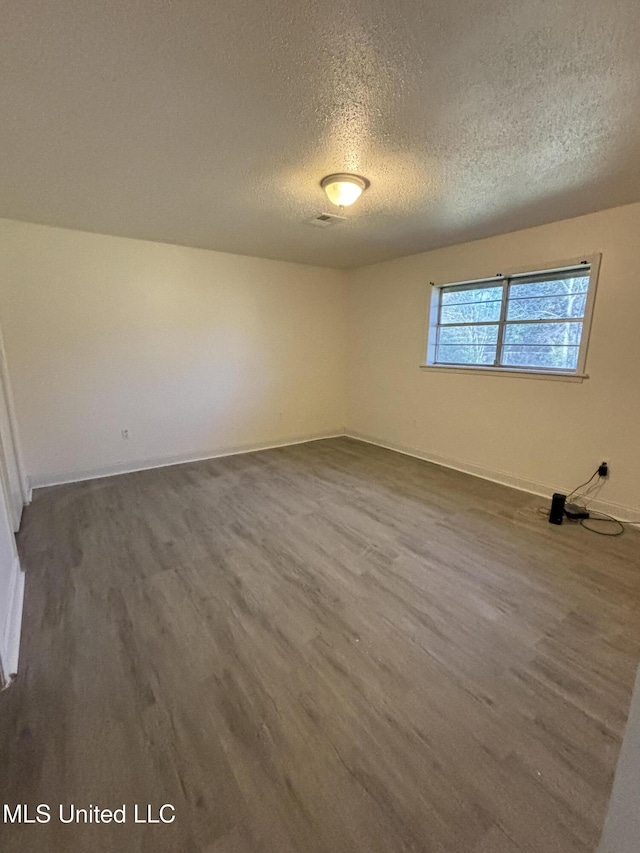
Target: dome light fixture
{"x": 343, "y": 189}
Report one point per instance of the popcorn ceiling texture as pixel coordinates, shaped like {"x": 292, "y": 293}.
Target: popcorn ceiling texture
{"x": 211, "y": 124}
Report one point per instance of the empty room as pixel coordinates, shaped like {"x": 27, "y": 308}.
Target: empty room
{"x": 319, "y": 427}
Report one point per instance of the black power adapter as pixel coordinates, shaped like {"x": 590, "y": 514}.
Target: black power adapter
{"x": 575, "y": 511}
{"x": 556, "y": 513}
{"x": 560, "y": 507}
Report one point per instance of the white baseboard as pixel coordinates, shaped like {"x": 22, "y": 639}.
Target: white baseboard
{"x": 628, "y": 514}
{"x": 60, "y": 478}
{"x": 10, "y": 638}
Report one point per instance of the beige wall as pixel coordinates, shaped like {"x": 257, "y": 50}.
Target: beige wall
{"x": 541, "y": 435}
{"x": 192, "y": 351}
{"x": 197, "y": 352}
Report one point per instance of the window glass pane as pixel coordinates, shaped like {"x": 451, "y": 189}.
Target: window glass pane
{"x": 547, "y": 308}
{"x": 474, "y": 294}
{"x": 461, "y": 354}
{"x": 541, "y": 327}
{"x": 553, "y": 357}
{"x": 553, "y": 287}
{"x": 543, "y": 333}
{"x": 471, "y": 335}
{"x": 472, "y": 312}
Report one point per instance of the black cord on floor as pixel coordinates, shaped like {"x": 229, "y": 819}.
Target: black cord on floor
{"x": 607, "y": 519}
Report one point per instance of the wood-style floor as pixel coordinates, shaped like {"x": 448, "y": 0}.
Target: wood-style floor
{"x": 328, "y": 648}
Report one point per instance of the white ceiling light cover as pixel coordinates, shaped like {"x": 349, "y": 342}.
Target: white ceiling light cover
{"x": 344, "y": 189}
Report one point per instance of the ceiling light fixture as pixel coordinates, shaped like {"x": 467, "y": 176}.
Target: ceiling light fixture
{"x": 343, "y": 189}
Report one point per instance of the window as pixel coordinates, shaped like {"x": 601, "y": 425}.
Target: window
{"x": 530, "y": 322}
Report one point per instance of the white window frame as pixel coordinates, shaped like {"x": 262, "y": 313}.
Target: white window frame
{"x": 592, "y": 262}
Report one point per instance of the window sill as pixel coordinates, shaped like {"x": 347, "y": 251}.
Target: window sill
{"x": 507, "y": 371}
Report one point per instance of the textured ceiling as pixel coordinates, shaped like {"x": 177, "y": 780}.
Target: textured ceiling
{"x": 211, "y": 122}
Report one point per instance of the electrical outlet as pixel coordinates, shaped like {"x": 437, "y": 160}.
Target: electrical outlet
{"x": 124, "y": 433}
{"x": 603, "y": 469}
